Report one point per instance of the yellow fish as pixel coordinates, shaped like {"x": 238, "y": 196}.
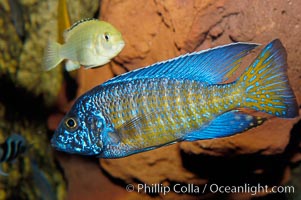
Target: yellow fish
{"x": 89, "y": 42}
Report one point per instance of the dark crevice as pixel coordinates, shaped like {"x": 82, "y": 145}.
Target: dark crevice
{"x": 71, "y": 86}
{"x": 20, "y": 103}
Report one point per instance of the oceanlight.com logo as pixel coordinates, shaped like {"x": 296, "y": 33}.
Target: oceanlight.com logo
{"x": 208, "y": 188}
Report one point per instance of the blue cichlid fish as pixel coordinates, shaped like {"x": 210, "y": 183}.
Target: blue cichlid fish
{"x": 88, "y": 42}
{"x": 14, "y": 146}
{"x": 182, "y": 99}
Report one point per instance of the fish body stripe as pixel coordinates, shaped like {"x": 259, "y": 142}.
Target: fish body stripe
{"x": 169, "y": 108}
{"x": 12, "y": 148}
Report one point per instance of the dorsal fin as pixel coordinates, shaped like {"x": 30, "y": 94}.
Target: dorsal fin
{"x": 211, "y": 66}
{"x": 68, "y": 32}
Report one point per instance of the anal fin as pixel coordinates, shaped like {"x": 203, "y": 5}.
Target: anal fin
{"x": 224, "y": 125}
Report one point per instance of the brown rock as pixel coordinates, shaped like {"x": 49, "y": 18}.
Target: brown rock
{"x": 88, "y": 79}
{"x": 86, "y": 180}
{"x": 54, "y": 120}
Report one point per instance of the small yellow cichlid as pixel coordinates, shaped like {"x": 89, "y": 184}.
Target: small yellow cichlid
{"x": 89, "y": 42}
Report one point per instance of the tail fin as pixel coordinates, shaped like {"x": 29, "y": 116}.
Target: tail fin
{"x": 52, "y": 56}
{"x": 265, "y": 83}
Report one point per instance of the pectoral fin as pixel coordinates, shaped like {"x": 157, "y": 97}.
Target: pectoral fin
{"x": 136, "y": 126}
{"x": 227, "y": 124}
{"x": 71, "y": 65}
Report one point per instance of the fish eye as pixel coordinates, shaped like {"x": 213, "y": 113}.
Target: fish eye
{"x": 71, "y": 123}
{"x": 106, "y": 36}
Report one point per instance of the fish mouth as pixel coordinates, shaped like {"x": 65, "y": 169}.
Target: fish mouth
{"x": 57, "y": 144}
{"x": 120, "y": 45}
{"x": 71, "y": 148}
{"x": 68, "y": 148}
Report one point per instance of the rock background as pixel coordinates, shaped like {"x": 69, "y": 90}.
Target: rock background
{"x": 158, "y": 30}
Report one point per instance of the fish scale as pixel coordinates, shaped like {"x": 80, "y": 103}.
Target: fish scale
{"x": 170, "y": 103}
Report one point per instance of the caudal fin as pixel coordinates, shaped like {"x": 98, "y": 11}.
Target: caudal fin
{"x": 52, "y": 56}
{"x": 265, "y": 83}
